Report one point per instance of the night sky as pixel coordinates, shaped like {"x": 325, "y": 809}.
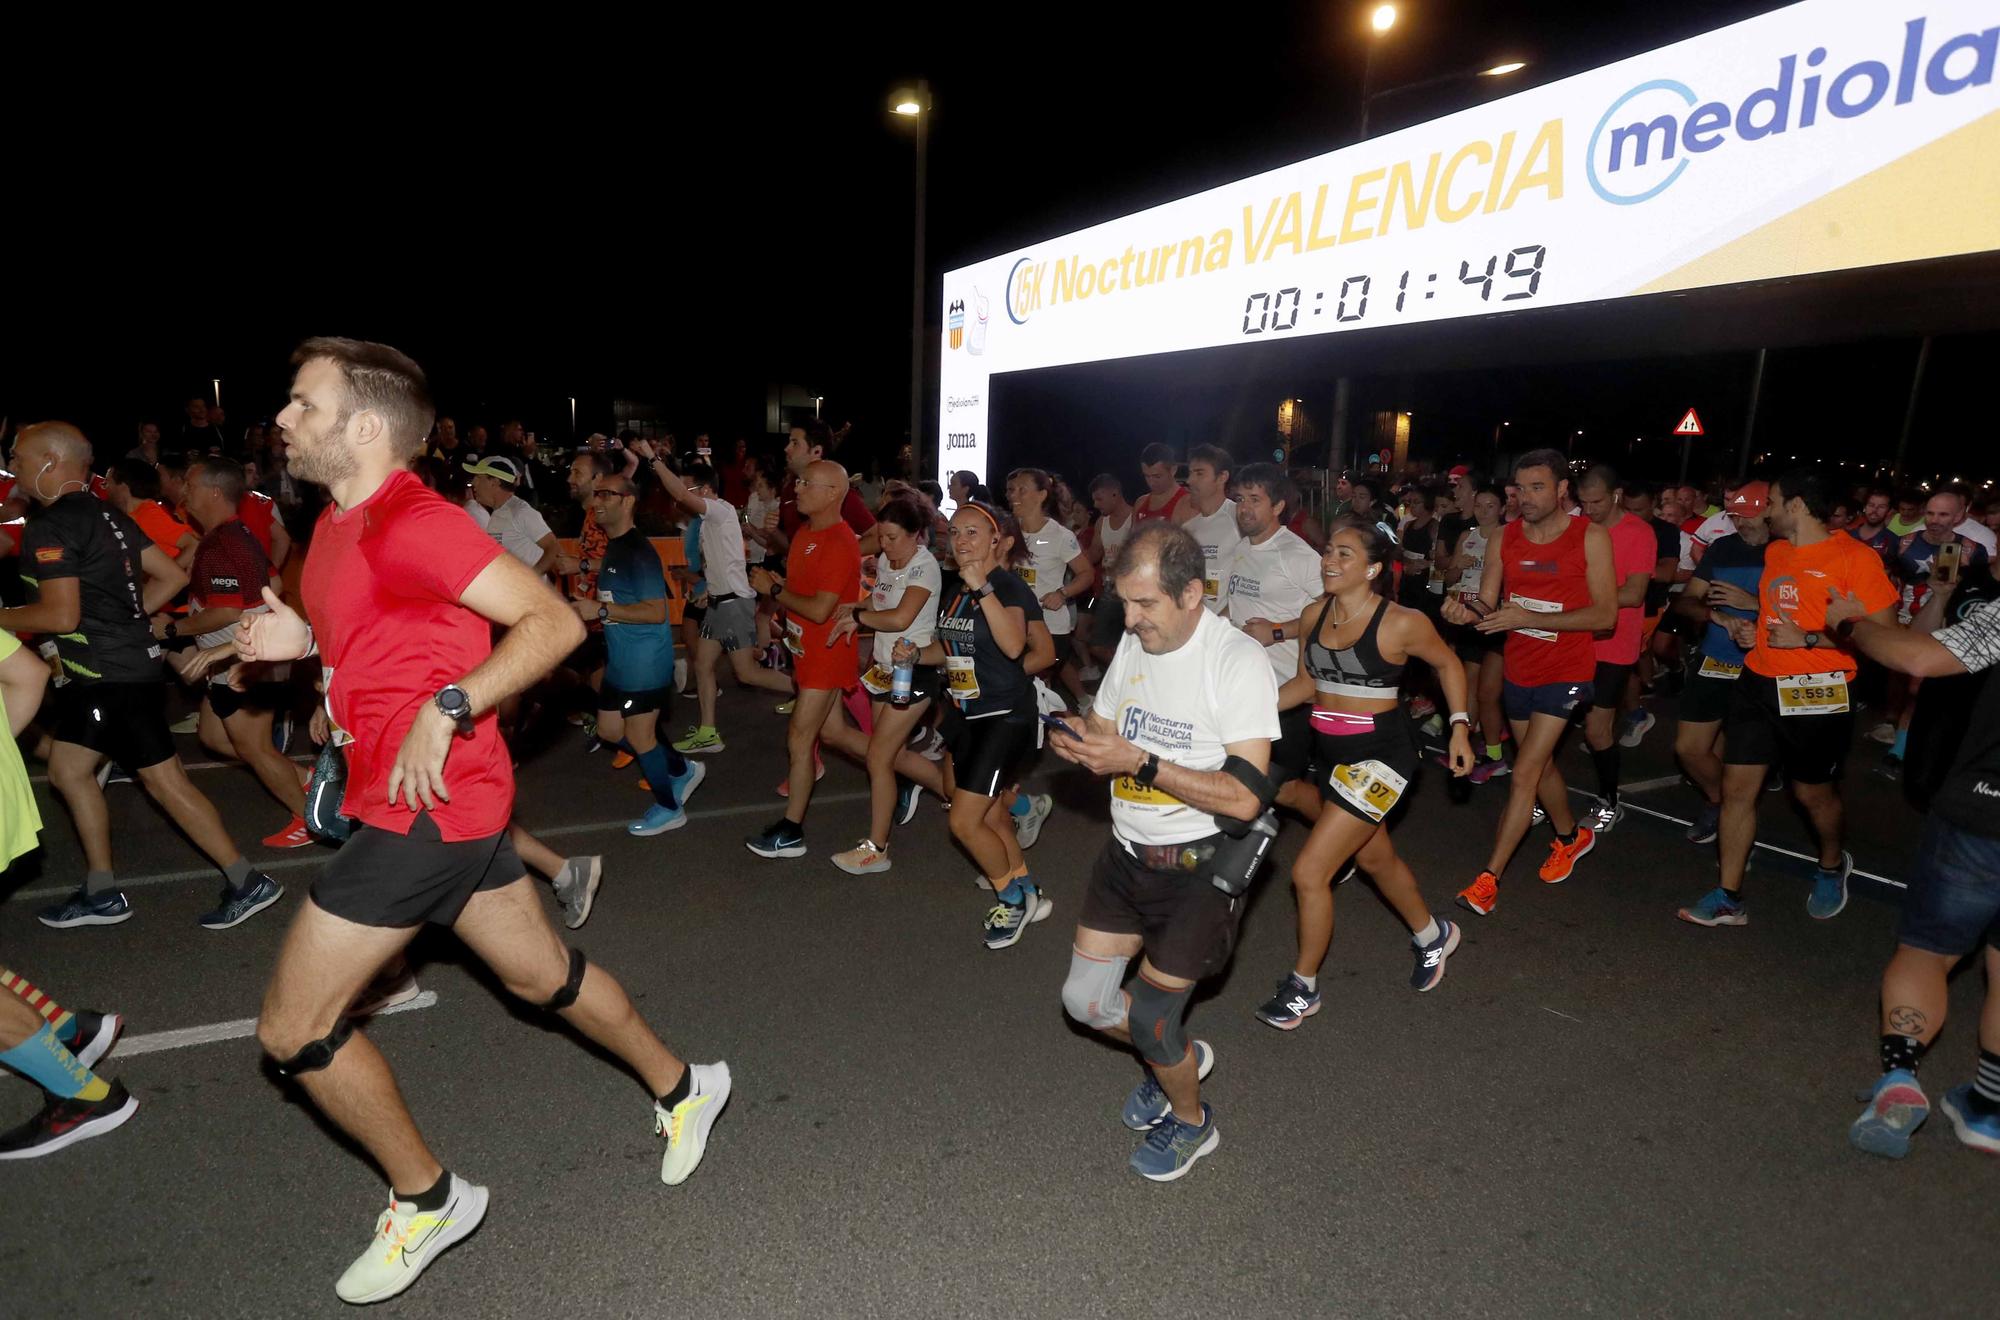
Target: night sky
{"x": 684, "y": 212}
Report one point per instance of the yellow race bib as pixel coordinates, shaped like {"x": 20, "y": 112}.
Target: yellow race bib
{"x": 1713, "y": 668}
{"x": 1813, "y": 694}
{"x": 877, "y": 680}
{"x": 1369, "y": 786}
{"x": 1127, "y": 789}
{"x": 960, "y": 680}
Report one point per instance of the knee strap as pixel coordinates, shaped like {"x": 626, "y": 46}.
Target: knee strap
{"x": 1156, "y": 1022}
{"x": 1094, "y": 994}
{"x": 320, "y": 1053}
{"x": 566, "y": 996}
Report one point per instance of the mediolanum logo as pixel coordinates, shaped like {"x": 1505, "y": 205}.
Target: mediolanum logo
{"x": 1651, "y": 134}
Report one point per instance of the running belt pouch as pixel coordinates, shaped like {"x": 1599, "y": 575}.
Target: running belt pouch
{"x": 1233, "y": 865}
{"x": 325, "y": 794}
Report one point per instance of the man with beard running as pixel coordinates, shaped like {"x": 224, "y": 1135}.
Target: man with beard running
{"x": 432, "y": 787}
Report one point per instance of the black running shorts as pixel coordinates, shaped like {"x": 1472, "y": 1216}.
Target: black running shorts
{"x": 382, "y": 878}
{"x": 1188, "y": 925}
{"x": 125, "y": 721}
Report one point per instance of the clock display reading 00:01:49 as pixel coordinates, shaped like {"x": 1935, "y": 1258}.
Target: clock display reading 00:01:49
{"x": 1518, "y": 276}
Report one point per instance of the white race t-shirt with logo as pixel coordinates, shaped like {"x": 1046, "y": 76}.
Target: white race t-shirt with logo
{"x": 1110, "y": 538}
{"x": 890, "y": 584}
{"x": 519, "y": 528}
{"x": 1049, "y": 553}
{"x": 722, "y": 562}
{"x": 1218, "y": 535}
{"x": 1274, "y": 581}
{"x": 1184, "y": 706}
{"x": 755, "y": 510}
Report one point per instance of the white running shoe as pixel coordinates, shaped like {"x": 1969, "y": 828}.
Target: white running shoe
{"x": 1028, "y": 828}
{"x": 393, "y": 986}
{"x": 576, "y": 888}
{"x": 686, "y": 1127}
{"x": 864, "y": 858}
{"x": 407, "y": 1240}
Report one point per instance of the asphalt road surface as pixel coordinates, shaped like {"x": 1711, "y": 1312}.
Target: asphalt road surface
{"x": 1601, "y": 1109}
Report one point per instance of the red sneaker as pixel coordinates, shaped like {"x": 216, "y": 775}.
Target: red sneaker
{"x": 294, "y": 835}
{"x": 1482, "y": 895}
{"x": 1563, "y": 857}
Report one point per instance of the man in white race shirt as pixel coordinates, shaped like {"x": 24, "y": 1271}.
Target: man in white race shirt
{"x": 1271, "y": 579}
{"x": 1182, "y": 725}
{"x": 512, "y": 521}
{"x": 1115, "y": 521}
{"x": 1058, "y": 571}
{"x": 1209, "y": 516}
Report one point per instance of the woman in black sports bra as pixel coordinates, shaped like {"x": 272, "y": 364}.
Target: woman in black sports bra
{"x": 1364, "y": 758}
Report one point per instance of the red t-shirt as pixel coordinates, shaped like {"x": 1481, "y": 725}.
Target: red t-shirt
{"x": 258, "y": 512}
{"x": 10, "y": 530}
{"x": 827, "y": 559}
{"x": 228, "y": 573}
{"x": 1633, "y": 550}
{"x": 853, "y": 509}
{"x": 381, "y": 587}
{"x": 1547, "y": 578}
{"x": 1797, "y": 583}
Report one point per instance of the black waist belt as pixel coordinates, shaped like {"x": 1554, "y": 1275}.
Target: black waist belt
{"x": 1191, "y": 856}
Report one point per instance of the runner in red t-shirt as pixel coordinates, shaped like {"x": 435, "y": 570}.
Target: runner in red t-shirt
{"x": 822, "y": 573}
{"x": 1560, "y": 586}
{"x": 1163, "y": 494}
{"x": 259, "y": 513}
{"x": 1634, "y": 550}
{"x": 404, "y": 591}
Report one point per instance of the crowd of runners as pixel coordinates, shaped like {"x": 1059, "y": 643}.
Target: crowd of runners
{"x": 1223, "y": 657}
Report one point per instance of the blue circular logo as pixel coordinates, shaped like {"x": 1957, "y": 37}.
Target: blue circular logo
{"x": 1590, "y": 159}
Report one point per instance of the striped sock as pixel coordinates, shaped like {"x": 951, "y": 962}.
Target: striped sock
{"x": 1986, "y": 1085}
{"x": 42, "y": 1059}
{"x": 59, "y": 1018}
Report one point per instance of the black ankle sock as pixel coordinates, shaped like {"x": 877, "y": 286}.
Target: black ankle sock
{"x": 1607, "y": 763}
{"x": 1904, "y": 1052}
{"x": 1567, "y": 839}
{"x": 432, "y": 1199}
{"x": 682, "y": 1090}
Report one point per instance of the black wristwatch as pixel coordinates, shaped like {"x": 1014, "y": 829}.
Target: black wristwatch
{"x": 1148, "y": 769}
{"x": 772, "y": 592}
{"x": 456, "y": 706}
{"x": 604, "y": 614}
{"x": 1813, "y": 640}
{"x": 172, "y": 630}
{"x": 982, "y": 591}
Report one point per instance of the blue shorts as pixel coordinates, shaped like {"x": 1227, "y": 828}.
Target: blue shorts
{"x": 1954, "y": 898}
{"x": 1559, "y": 699}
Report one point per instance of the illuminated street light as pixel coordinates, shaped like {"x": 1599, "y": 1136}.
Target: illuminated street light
{"x": 1383, "y": 18}
{"x": 906, "y": 104}
{"x": 1500, "y": 70}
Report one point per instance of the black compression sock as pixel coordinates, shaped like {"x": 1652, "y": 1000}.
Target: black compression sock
{"x": 682, "y": 1090}
{"x": 1567, "y": 839}
{"x": 1606, "y": 762}
{"x": 434, "y": 1198}
{"x": 1904, "y": 1052}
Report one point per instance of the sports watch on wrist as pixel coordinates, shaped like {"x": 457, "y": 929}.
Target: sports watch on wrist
{"x": 1148, "y": 769}
{"x": 982, "y": 591}
{"x": 455, "y": 706}
{"x": 1813, "y": 640}
{"x": 604, "y": 614}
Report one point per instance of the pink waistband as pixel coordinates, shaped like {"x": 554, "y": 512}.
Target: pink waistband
{"x": 1339, "y": 722}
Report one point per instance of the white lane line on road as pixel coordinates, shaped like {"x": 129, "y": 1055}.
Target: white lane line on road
{"x": 1770, "y": 847}
{"x": 1564, "y": 1016}
{"x": 1664, "y": 781}
{"x": 319, "y": 856}
{"x": 193, "y": 766}
{"x": 182, "y": 1037}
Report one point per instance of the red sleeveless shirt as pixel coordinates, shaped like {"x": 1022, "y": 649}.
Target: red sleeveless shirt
{"x": 1547, "y": 578}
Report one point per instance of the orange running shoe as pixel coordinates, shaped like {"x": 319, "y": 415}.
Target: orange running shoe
{"x": 1563, "y": 857}
{"x": 621, "y": 758}
{"x": 294, "y": 835}
{"x": 1482, "y": 895}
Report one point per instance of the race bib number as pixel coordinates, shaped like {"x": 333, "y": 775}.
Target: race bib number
{"x": 1714, "y": 668}
{"x": 1127, "y": 789}
{"x": 1813, "y": 694}
{"x": 960, "y": 680}
{"x": 876, "y": 680}
{"x": 1211, "y": 589}
{"x": 1537, "y": 607}
{"x": 1026, "y": 573}
{"x": 794, "y": 636}
{"x": 1369, "y": 786}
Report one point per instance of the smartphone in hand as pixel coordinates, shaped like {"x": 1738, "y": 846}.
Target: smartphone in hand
{"x": 1057, "y": 723}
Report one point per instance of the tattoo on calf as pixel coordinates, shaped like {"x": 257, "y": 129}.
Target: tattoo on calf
{"x": 1907, "y": 1021}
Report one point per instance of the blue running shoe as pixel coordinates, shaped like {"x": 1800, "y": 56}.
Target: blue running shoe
{"x": 1977, "y": 1130}
{"x": 782, "y": 839}
{"x": 1147, "y": 1104}
{"x": 908, "y": 797}
{"x": 657, "y": 820}
{"x": 239, "y": 905}
{"x": 1829, "y": 889}
{"x": 1718, "y": 907}
{"x": 1431, "y": 957}
{"x": 1707, "y": 824}
{"x": 1007, "y": 922}
{"x": 685, "y": 784}
{"x": 1896, "y": 1110}
{"x": 1292, "y": 1004}
{"x": 85, "y": 909}
{"x": 1171, "y": 1149}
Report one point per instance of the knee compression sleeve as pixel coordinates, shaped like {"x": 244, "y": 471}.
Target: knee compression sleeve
{"x": 320, "y": 1053}
{"x": 1094, "y": 993}
{"x": 566, "y": 996}
{"x": 1156, "y": 1022}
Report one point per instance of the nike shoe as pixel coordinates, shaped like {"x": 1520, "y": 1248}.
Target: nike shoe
{"x": 1028, "y": 828}
{"x": 1718, "y": 907}
{"x": 1981, "y": 1131}
{"x": 686, "y": 1126}
{"x": 1147, "y": 1104}
{"x": 781, "y": 839}
{"x": 1171, "y": 1149}
{"x": 87, "y": 909}
{"x": 699, "y": 740}
{"x": 1895, "y": 1111}
{"x": 394, "y": 986}
{"x": 239, "y": 905}
{"x": 1603, "y": 816}
{"x": 1431, "y": 957}
{"x": 685, "y": 783}
{"x": 294, "y": 835}
{"x": 819, "y": 773}
{"x": 407, "y": 1240}
{"x": 863, "y": 858}
{"x": 1707, "y": 824}
{"x": 908, "y": 796}
{"x": 1006, "y": 922}
{"x": 65, "y": 1122}
{"x": 1563, "y": 857}
{"x": 1482, "y": 895}
{"x": 1637, "y": 724}
{"x": 96, "y": 1033}
{"x": 576, "y": 888}
{"x": 1292, "y": 1004}
{"x": 1829, "y": 889}
{"x": 657, "y": 820}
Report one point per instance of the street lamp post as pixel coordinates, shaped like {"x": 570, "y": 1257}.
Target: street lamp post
{"x": 916, "y": 105}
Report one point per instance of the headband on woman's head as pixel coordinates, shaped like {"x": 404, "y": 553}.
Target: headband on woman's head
{"x": 986, "y": 513}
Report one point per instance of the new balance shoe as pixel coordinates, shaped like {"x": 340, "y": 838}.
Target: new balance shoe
{"x": 686, "y": 1125}
{"x": 699, "y": 740}
{"x": 657, "y": 820}
{"x": 1637, "y": 724}
{"x": 1431, "y": 957}
{"x": 1028, "y": 828}
{"x": 87, "y": 909}
{"x": 576, "y": 888}
{"x": 908, "y": 797}
{"x": 685, "y": 783}
{"x": 781, "y": 839}
{"x": 294, "y": 835}
{"x": 1482, "y": 895}
{"x": 1981, "y": 1131}
{"x": 1171, "y": 1149}
{"x": 407, "y": 1240}
{"x": 1603, "y": 816}
{"x": 1563, "y": 857}
{"x": 1147, "y": 1104}
{"x": 863, "y": 858}
{"x": 1006, "y": 922}
{"x": 66, "y": 1122}
{"x": 96, "y": 1033}
{"x": 241, "y": 904}
{"x": 1292, "y": 1004}
{"x": 1895, "y": 1111}
{"x": 1829, "y": 889}
{"x": 1718, "y": 907}
{"x": 1707, "y": 824}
